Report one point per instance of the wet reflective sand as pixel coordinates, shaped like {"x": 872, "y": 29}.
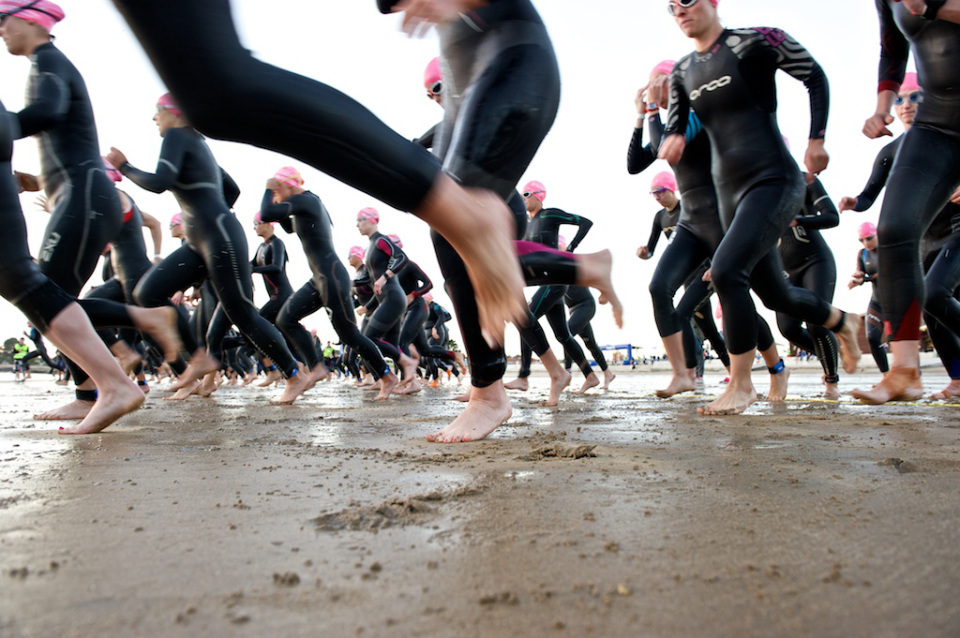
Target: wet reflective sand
{"x": 616, "y": 514}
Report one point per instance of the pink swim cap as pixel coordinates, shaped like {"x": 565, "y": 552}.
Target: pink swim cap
{"x": 166, "y": 103}
{"x": 395, "y": 238}
{"x": 433, "y": 77}
{"x": 257, "y": 219}
{"x": 665, "y": 67}
{"x": 290, "y": 176}
{"x": 112, "y": 173}
{"x": 369, "y": 213}
{"x": 867, "y": 229}
{"x": 909, "y": 83}
{"x": 537, "y": 189}
{"x": 176, "y": 220}
{"x": 44, "y": 13}
{"x": 356, "y": 251}
{"x": 663, "y": 181}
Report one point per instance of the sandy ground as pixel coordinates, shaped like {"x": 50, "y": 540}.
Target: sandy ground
{"x": 616, "y": 514}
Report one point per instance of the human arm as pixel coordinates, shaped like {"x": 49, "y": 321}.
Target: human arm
{"x": 949, "y": 12}
{"x": 153, "y": 224}
{"x": 168, "y": 166}
{"x": 49, "y": 100}
{"x": 819, "y": 202}
{"x": 231, "y": 191}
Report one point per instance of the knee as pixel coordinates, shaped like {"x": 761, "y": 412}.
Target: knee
{"x": 727, "y": 279}
{"x": 660, "y": 292}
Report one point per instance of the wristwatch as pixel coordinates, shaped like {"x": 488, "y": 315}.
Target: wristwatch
{"x": 933, "y": 6}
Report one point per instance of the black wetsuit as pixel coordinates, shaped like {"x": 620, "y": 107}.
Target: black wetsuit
{"x": 665, "y": 222}
{"x": 501, "y": 92}
{"x": 582, "y": 306}
{"x": 330, "y": 286}
{"x": 387, "y": 308}
{"x": 869, "y": 264}
{"x": 927, "y": 167}
{"x": 809, "y": 263}
{"x": 21, "y": 281}
{"x": 759, "y": 187}
{"x": 415, "y": 284}
{"x": 544, "y": 229}
{"x": 270, "y": 261}
{"x": 187, "y": 168}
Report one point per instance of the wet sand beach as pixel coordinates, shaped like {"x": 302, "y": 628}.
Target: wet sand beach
{"x": 615, "y": 514}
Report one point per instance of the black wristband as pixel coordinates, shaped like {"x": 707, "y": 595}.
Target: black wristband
{"x": 933, "y": 6}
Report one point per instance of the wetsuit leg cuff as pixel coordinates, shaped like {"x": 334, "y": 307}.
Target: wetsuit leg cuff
{"x": 777, "y": 369}
{"x": 839, "y": 326}
{"x": 86, "y": 395}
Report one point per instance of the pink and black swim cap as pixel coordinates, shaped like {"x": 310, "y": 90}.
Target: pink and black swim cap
{"x": 356, "y": 251}
{"x": 395, "y": 239}
{"x": 41, "y": 12}
{"x": 867, "y": 229}
{"x": 663, "y": 181}
{"x": 166, "y": 103}
{"x": 176, "y": 220}
{"x": 370, "y": 214}
{"x": 290, "y": 176}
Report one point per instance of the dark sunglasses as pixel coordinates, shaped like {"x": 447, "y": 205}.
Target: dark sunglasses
{"x": 673, "y": 4}
{"x": 915, "y": 97}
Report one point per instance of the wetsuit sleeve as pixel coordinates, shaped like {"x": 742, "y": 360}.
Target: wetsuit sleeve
{"x": 231, "y": 191}
{"x": 425, "y": 284}
{"x": 655, "y": 232}
{"x": 827, "y": 215}
{"x": 276, "y": 259}
{"x": 386, "y": 6}
{"x": 168, "y": 166}
{"x": 694, "y": 128}
{"x": 442, "y": 316}
{"x": 799, "y": 64}
{"x": 639, "y": 157}
{"x": 582, "y": 223}
{"x": 397, "y": 258}
{"x": 878, "y": 178}
{"x": 894, "y": 50}
{"x": 679, "y": 112}
{"x": 51, "y": 100}
{"x": 862, "y": 265}
{"x": 270, "y": 212}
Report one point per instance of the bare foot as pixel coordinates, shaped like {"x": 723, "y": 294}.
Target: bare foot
{"x": 679, "y": 383}
{"x": 249, "y": 378}
{"x": 293, "y": 387}
{"x": 317, "y": 374}
{"x": 608, "y": 377}
{"x": 557, "y": 383}
{"x": 377, "y": 385}
{"x": 409, "y": 367}
{"x": 594, "y": 271}
{"x": 184, "y": 393}
{"x": 208, "y": 386}
{"x": 591, "y": 381}
{"x": 463, "y": 398}
{"x": 411, "y": 388}
{"x": 126, "y": 356}
{"x": 735, "y": 399}
{"x": 520, "y": 383}
{"x": 488, "y": 408}
{"x": 831, "y": 391}
{"x": 273, "y": 376}
{"x": 112, "y": 403}
{"x": 201, "y": 364}
{"x": 76, "y": 410}
{"x": 778, "y": 386}
{"x": 387, "y": 384}
{"x": 365, "y": 382}
{"x": 952, "y": 391}
{"x": 899, "y": 384}
{"x": 849, "y": 348}
{"x": 161, "y": 324}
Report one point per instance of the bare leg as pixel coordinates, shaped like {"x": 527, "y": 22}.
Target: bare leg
{"x": 481, "y": 229}
{"x": 739, "y": 393}
{"x": 593, "y": 270}
{"x": 831, "y": 391}
{"x": 273, "y": 376}
{"x": 209, "y": 385}
{"x": 683, "y": 378}
{"x": 161, "y": 324}
{"x": 201, "y": 364}
{"x": 608, "y": 377}
{"x": 902, "y": 382}
{"x": 72, "y": 333}
{"x": 126, "y": 356}
{"x": 317, "y": 374}
{"x": 487, "y": 409}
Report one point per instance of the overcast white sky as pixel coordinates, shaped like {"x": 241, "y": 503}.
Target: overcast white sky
{"x": 605, "y": 54}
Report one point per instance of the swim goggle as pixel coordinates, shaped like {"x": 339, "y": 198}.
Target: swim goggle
{"x": 531, "y": 194}
{"x": 916, "y": 97}
{"x": 435, "y": 89}
{"x": 673, "y": 4}
{"x": 871, "y": 237}
{"x": 660, "y": 191}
